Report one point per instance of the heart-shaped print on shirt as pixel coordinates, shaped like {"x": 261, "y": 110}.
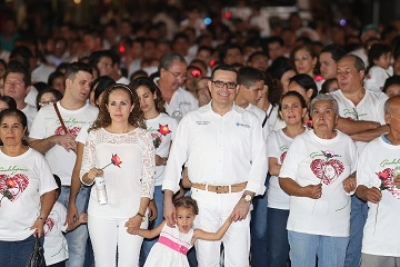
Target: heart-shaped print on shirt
{"x": 74, "y": 131}
{"x": 11, "y": 187}
{"x": 327, "y": 170}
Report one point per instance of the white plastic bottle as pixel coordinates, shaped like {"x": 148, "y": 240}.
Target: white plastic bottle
{"x": 101, "y": 190}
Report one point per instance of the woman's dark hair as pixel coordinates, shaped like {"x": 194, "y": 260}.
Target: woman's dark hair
{"x": 295, "y": 94}
{"x": 147, "y": 82}
{"x": 58, "y": 182}
{"x": 274, "y": 91}
{"x": 138, "y": 74}
{"x": 187, "y": 202}
{"x": 306, "y": 82}
{"x": 41, "y": 86}
{"x": 279, "y": 66}
{"x": 326, "y": 84}
{"x": 102, "y": 82}
{"x": 136, "y": 117}
{"x": 9, "y": 101}
{"x": 22, "y": 118}
{"x": 55, "y": 92}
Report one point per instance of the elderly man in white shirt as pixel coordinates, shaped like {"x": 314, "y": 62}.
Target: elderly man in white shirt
{"x": 178, "y": 101}
{"x": 225, "y": 152}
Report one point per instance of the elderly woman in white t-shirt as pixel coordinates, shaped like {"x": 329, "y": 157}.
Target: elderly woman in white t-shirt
{"x": 27, "y": 191}
{"x": 319, "y": 219}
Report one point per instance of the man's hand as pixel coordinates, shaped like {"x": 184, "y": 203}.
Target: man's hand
{"x": 169, "y": 212}
{"x": 241, "y": 210}
{"x": 67, "y": 141}
{"x": 153, "y": 211}
{"x": 350, "y": 184}
{"x": 313, "y": 191}
{"x": 373, "y": 195}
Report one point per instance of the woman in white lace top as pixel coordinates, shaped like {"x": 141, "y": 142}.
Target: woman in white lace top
{"x": 120, "y": 150}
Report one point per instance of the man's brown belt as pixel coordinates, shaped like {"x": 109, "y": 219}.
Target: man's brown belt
{"x": 221, "y": 189}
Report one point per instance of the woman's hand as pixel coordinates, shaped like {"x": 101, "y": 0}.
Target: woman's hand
{"x": 93, "y": 173}
{"x": 133, "y": 224}
{"x": 313, "y": 191}
{"x": 161, "y": 161}
{"x": 38, "y": 225}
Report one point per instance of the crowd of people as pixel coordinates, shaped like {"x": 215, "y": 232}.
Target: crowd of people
{"x": 241, "y": 144}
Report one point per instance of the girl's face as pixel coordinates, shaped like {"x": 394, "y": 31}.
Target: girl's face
{"x": 146, "y": 99}
{"x": 185, "y": 218}
{"x": 119, "y": 105}
{"x": 333, "y": 86}
{"x": 11, "y": 131}
{"x": 3, "y": 105}
{"x": 285, "y": 80}
{"x": 292, "y": 112}
{"x": 383, "y": 61}
{"x": 59, "y": 84}
{"x": 47, "y": 99}
{"x": 304, "y": 62}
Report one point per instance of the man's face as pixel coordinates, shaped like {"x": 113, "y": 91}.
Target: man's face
{"x": 253, "y": 93}
{"x": 14, "y": 86}
{"x": 233, "y": 56}
{"x": 275, "y": 50}
{"x": 328, "y": 66}
{"x": 349, "y": 78}
{"x": 259, "y": 62}
{"x": 175, "y": 76}
{"x": 393, "y": 117}
{"x": 223, "y": 96}
{"x": 79, "y": 87}
{"x": 105, "y": 66}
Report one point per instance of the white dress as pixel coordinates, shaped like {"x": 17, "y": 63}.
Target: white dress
{"x": 165, "y": 255}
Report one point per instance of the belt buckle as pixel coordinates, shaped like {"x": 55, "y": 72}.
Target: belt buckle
{"x": 217, "y": 189}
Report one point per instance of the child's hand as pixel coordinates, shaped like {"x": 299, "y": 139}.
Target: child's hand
{"x": 83, "y": 218}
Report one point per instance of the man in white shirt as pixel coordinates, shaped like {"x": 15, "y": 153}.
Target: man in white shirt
{"x": 378, "y": 182}
{"x": 225, "y": 152}
{"x": 328, "y": 58}
{"x": 251, "y": 83}
{"x": 17, "y": 84}
{"x": 178, "y": 101}
{"x": 361, "y": 117}
{"x": 53, "y": 134}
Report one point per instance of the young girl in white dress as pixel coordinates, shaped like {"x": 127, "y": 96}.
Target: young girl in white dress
{"x": 175, "y": 242}
{"x": 162, "y": 129}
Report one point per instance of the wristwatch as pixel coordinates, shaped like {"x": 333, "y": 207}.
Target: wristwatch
{"x": 247, "y": 198}
{"x": 141, "y": 216}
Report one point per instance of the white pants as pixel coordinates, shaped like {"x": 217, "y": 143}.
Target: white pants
{"x": 214, "y": 209}
{"x": 108, "y": 233}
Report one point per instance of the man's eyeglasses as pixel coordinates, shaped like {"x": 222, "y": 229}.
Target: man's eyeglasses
{"x": 221, "y": 84}
{"x": 178, "y": 75}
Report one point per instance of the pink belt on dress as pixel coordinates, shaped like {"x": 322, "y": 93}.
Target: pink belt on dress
{"x": 171, "y": 244}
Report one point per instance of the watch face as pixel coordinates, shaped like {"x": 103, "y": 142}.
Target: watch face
{"x": 247, "y": 198}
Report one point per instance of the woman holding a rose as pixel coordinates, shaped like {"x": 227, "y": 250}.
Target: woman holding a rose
{"x": 120, "y": 151}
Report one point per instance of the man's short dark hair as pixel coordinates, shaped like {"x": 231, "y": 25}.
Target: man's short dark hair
{"x": 15, "y": 66}
{"x": 248, "y": 76}
{"x": 336, "y": 51}
{"x": 75, "y": 67}
{"x": 224, "y": 67}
